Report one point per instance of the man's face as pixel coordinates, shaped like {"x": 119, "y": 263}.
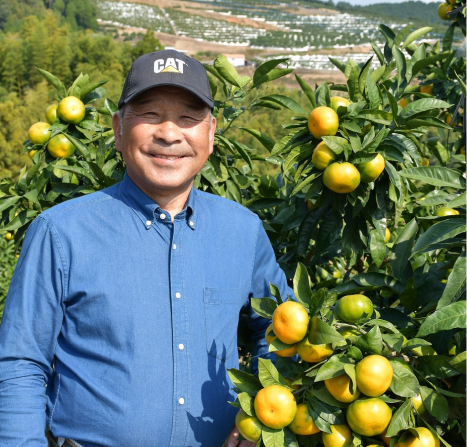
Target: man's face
{"x": 166, "y": 138}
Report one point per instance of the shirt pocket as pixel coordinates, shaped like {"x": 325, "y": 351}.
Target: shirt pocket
{"x": 221, "y": 311}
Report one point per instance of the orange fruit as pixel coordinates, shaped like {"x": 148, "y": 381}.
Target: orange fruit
{"x": 445, "y": 211}
{"x": 31, "y": 154}
{"x": 71, "y": 110}
{"x": 462, "y": 151}
{"x": 39, "y": 133}
{"x": 425, "y": 162}
{"x": 387, "y": 236}
{"x": 249, "y": 426}
{"x": 339, "y": 387}
{"x": 404, "y": 101}
{"x": 374, "y": 375}
{"x": 323, "y": 156}
{"x": 368, "y": 417}
{"x": 338, "y": 101}
{"x": 313, "y": 353}
{"x": 341, "y": 436}
{"x": 371, "y": 170}
{"x": 443, "y": 10}
{"x": 9, "y": 236}
{"x": 448, "y": 119}
{"x": 427, "y": 89}
{"x": 290, "y": 322}
{"x": 303, "y": 423}
{"x": 354, "y": 308}
{"x": 427, "y": 439}
{"x": 288, "y": 352}
{"x": 323, "y": 122}
{"x": 51, "y": 113}
{"x": 341, "y": 177}
{"x": 60, "y": 146}
{"x": 418, "y": 404}
{"x": 275, "y": 406}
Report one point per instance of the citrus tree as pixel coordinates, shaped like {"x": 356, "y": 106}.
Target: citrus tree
{"x": 370, "y": 200}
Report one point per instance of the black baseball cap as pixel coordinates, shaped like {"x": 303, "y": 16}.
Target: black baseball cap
{"x": 166, "y": 67}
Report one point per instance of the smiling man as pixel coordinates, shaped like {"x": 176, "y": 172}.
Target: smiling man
{"x": 121, "y": 318}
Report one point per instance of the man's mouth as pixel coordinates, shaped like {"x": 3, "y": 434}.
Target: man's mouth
{"x": 167, "y": 157}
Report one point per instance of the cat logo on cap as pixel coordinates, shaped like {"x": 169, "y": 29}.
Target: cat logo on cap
{"x": 170, "y": 65}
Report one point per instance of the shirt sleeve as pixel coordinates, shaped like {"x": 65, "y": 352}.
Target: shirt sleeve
{"x": 265, "y": 270}
{"x": 31, "y": 323}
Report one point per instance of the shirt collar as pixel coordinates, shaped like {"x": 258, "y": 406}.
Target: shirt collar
{"x": 147, "y": 210}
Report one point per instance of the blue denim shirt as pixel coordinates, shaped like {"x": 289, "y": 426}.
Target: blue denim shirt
{"x": 123, "y": 323}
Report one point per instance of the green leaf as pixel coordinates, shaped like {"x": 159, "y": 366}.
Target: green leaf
{"x": 317, "y": 301}
{"x": 268, "y": 374}
{"x": 362, "y": 78}
{"x": 449, "y": 317}
{"x": 264, "y": 139}
{"x": 245, "y": 382}
{"x": 21, "y": 219}
{"x": 436, "y": 366}
{"x": 334, "y": 367}
{"x": 310, "y": 94}
{"x": 6, "y": 202}
{"x": 383, "y": 323}
{"x": 415, "y": 35}
{"x": 321, "y": 333}
{"x": 400, "y": 36}
{"x": 378, "y": 53}
{"x": 272, "y": 437}
{"x": 376, "y": 116}
{"x": 301, "y": 285}
{"x": 264, "y": 204}
{"x": 422, "y": 105}
{"x": 247, "y": 403}
{"x": 377, "y": 247}
{"x": 439, "y": 232}
{"x": 284, "y": 101}
{"x": 307, "y": 227}
{"x": 456, "y": 284}
{"x": 336, "y": 144}
{"x": 400, "y": 419}
{"x": 449, "y": 37}
{"x": 404, "y": 383}
{"x": 278, "y": 345}
{"x": 458, "y": 201}
{"x": 401, "y": 64}
{"x": 267, "y": 72}
{"x": 372, "y": 92}
{"x": 436, "y": 404}
{"x": 401, "y": 251}
{"x": 54, "y": 82}
{"x": 458, "y": 362}
{"x": 425, "y": 62}
{"x": 90, "y": 87}
{"x": 227, "y": 70}
{"x": 352, "y": 83}
{"x": 290, "y": 439}
{"x": 81, "y": 147}
{"x": 371, "y": 342}
{"x": 350, "y": 371}
{"x": 77, "y": 170}
{"x": 110, "y": 106}
{"x": 436, "y": 176}
{"x": 329, "y": 414}
{"x": 264, "y": 307}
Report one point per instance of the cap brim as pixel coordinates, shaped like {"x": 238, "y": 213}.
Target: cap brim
{"x": 208, "y": 101}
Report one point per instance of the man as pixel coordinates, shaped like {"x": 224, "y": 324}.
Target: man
{"x": 121, "y": 318}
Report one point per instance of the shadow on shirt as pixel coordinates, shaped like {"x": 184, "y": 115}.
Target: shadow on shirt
{"x": 218, "y": 417}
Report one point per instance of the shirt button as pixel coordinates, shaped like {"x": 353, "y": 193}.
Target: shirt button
{"x": 181, "y": 401}
{"x": 191, "y": 223}
{"x": 181, "y": 347}
{"x": 162, "y": 216}
{"x": 175, "y": 246}
{"x": 178, "y": 295}
{"x": 148, "y": 222}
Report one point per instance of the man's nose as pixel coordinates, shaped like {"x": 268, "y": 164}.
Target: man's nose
{"x": 168, "y": 131}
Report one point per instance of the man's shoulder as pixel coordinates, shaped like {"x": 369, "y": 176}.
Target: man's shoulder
{"x": 223, "y": 205}
{"x": 84, "y": 204}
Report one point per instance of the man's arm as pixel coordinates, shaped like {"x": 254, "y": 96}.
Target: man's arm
{"x": 31, "y": 323}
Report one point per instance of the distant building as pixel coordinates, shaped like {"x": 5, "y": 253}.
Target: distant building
{"x": 237, "y": 60}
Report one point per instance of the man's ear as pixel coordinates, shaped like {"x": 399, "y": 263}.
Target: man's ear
{"x": 117, "y": 126}
{"x": 211, "y": 135}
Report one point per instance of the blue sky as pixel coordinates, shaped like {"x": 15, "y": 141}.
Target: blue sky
{"x": 372, "y": 2}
